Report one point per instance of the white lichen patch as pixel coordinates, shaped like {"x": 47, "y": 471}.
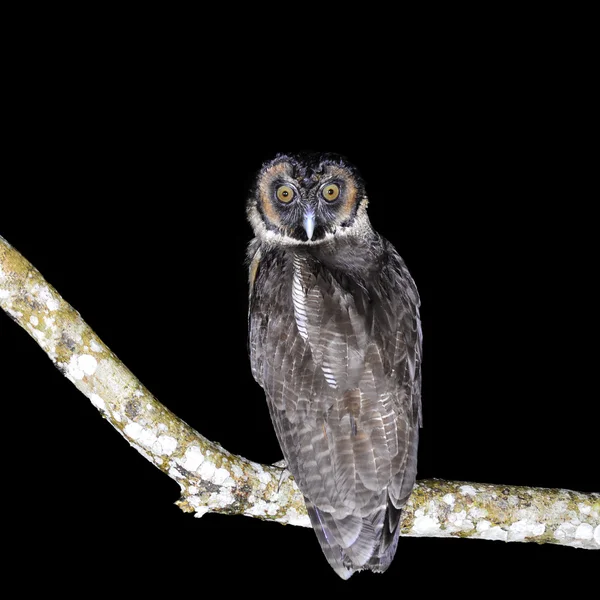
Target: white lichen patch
{"x": 584, "y": 509}
{"x": 38, "y": 335}
{"x": 165, "y": 444}
{"x": 97, "y": 402}
{"x": 223, "y": 477}
{"x": 261, "y": 508}
{"x": 143, "y": 436}
{"x": 148, "y": 438}
{"x": 449, "y": 499}
{"x": 192, "y": 459}
{"x": 174, "y": 473}
{"x": 80, "y": 366}
{"x": 459, "y": 521}
{"x": 524, "y": 528}
{"x": 73, "y": 372}
{"x": 264, "y": 477}
{"x": 597, "y": 535}
{"x": 42, "y": 293}
{"x": 564, "y": 531}
{"x": 483, "y": 525}
{"x": 87, "y": 363}
{"x": 4, "y": 294}
{"x": 95, "y": 347}
{"x": 222, "y": 499}
{"x": 200, "y": 510}
{"x": 425, "y": 525}
{"x": 457, "y": 517}
{"x": 113, "y": 378}
{"x": 491, "y": 533}
{"x": 293, "y": 517}
{"x": 584, "y": 532}
{"x": 34, "y": 320}
{"x": 468, "y": 490}
{"x": 477, "y": 513}
{"x": 559, "y": 508}
{"x": 237, "y": 471}
{"x": 207, "y": 470}
{"x": 274, "y": 496}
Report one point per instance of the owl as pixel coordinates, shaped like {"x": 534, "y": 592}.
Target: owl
{"x": 335, "y": 342}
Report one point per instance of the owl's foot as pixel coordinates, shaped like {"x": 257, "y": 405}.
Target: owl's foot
{"x": 284, "y": 474}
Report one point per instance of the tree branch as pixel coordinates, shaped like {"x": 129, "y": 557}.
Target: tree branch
{"x": 212, "y": 479}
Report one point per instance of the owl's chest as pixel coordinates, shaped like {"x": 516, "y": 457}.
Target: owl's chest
{"x": 308, "y": 320}
{"x": 299, "y": 288}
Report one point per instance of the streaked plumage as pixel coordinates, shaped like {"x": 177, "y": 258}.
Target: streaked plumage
{"x": 335, "y": 342}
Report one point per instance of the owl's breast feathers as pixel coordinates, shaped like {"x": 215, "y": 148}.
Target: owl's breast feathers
{"x": 335, "y": 341}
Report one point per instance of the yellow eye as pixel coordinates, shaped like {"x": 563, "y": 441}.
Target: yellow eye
{"x": 331, "y": 192}
{"x": 285, "y": 193}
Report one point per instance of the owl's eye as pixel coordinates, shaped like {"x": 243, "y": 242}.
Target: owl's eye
{"x": 331, "y": 192}
{"x": 285, "y": 193}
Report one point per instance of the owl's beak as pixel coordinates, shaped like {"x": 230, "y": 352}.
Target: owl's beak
{"x": 309, "y": 223}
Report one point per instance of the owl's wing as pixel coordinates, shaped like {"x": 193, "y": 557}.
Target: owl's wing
{"x": 400, "y": 309}
{"x": 340, "y": 368}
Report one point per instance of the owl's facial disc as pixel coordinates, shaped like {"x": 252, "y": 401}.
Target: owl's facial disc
{"x": 301, "y": 200}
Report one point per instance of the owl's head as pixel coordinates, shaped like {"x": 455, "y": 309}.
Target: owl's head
{"x": 307, "y": 199}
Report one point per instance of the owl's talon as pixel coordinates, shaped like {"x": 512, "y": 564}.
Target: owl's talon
{"x": 284, "y": 473}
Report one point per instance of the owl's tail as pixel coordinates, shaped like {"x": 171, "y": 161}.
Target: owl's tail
{"x": 355, "y": 543}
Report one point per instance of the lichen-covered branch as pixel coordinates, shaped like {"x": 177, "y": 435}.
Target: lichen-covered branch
{"x": 503, "y": 512}
{"x": 212, "y": 479}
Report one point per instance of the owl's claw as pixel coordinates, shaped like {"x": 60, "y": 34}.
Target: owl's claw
{"x": 282, "y": 465}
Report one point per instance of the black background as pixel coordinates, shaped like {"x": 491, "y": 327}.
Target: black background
{"x": 127, "y": 189}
